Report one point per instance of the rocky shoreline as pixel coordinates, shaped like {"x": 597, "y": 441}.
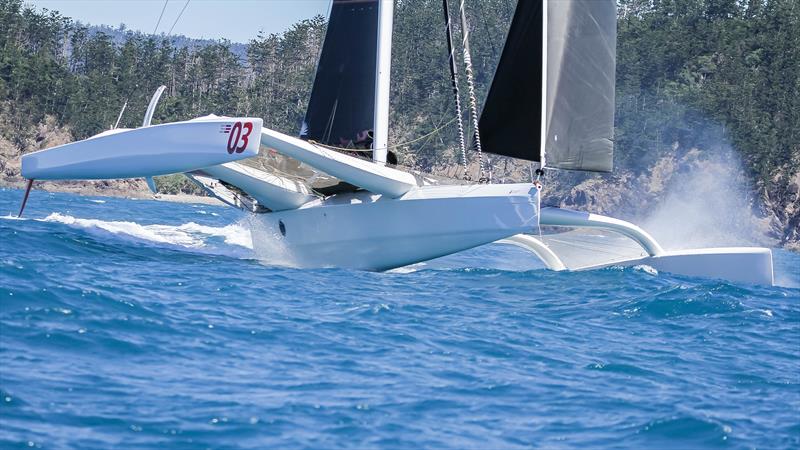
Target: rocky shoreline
{"x": 135, "y": 189}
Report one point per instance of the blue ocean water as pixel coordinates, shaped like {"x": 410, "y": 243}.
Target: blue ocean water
{"x": 148, "y": 324}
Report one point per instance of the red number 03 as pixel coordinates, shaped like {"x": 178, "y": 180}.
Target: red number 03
{"x": 239, "y": 137}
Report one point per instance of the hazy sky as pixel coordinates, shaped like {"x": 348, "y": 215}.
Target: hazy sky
{"x": 237, "y": 20}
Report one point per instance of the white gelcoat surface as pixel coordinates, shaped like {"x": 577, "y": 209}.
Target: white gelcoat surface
{"x": 369, "y": 232}
{"x": 738, "y": 264}
{"x": 143, "y": 152}
{"x": 273, "y": 192}
{"x": 365, "y": 174}
{"x": 567, "y": 218}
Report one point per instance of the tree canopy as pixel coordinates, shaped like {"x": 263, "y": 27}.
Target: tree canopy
{"x": 688, "y": 71}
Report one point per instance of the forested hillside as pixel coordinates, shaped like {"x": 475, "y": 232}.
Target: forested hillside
{"x": 691, "y": 74}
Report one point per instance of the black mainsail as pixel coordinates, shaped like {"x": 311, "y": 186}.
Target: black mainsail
{"x": 579, "y": 89}
{"x": 342, "y": 105}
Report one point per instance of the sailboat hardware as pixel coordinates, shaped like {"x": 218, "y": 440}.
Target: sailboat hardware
{"x": 25, "y": 198}
{"x": 323, "y": 208}
{"x": 473, "y": 102}
{"x": 462, "y": 146}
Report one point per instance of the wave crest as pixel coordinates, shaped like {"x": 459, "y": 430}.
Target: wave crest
{"x": 189, "y": 235}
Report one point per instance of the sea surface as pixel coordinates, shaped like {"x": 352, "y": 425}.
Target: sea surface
{"x": 144, "y": 324}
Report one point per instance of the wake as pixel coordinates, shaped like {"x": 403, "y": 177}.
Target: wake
{"x": 230, "y": 240}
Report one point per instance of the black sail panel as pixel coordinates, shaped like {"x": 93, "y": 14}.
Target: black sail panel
{"x": 342, "y": 104}
{"x": 579, "y": 106}
{"x": 509, "y": 123}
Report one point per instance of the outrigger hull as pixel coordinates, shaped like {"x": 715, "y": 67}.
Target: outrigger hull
{"x": 148, "y": 151}
{"x": 633, "y": 246}
{"x": 365, "y": 231}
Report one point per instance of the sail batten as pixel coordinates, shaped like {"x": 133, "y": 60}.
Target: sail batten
{"x": 579, "y": 47}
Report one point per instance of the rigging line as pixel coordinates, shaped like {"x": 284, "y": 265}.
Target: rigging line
{"x": 489, "y": 35}
{"x": 473, "y": 102}
{"x": 178, "y": 18}
{"x": 462, "y": 146}
{"x": 438, "y": 126}
{"x": 135, "y": 86}
{"x": 388, "y": 147}
{"x": 164, "y": 8}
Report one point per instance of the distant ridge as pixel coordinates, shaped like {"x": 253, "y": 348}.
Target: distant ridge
{"x": 120, "y": 34}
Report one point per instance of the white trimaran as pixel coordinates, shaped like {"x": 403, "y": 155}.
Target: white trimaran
{"x": 553, "y": 90}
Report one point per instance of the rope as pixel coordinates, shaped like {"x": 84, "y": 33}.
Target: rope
{"x": 462, "y": 146}
{"x": 160, "y": 16}
{"x": 136, "y": 86}
{"x": 178, "y": 18}
{"x": 388, "y": 147}
{"x": 473, "y": 102}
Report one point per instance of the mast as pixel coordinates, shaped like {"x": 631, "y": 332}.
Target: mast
{"x": 543, "y": 117}
{"x": 382, "y": 81}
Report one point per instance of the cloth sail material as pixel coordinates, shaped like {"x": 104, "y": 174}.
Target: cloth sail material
{"x": 342, "y": 104}
{"x": 579, "y": 104}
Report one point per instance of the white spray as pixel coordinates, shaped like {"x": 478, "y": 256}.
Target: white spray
{"x": 708, "y": 202}
{"x": 268, "y": 243}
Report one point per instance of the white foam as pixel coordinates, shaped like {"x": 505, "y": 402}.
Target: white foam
{"x": 409, "y": 269}
{"x": 189, "y": 235}
{"x": 268, "y": 246}
{"x": 646, "y": 269}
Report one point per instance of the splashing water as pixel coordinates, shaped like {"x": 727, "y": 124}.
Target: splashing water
{"x": 708, "y": 204}
{"x": 189, "y": 235}
{"x": 268, "y": 244}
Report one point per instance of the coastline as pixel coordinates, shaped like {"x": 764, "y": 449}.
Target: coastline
{"x": 133, "y": 189}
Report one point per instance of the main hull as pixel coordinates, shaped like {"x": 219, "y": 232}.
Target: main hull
{"x": 370, "y": 232}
